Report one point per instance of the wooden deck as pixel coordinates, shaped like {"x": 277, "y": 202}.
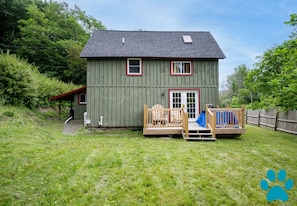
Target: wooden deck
{"x": 163, "y": 131}
{"x": 219, "y": 121}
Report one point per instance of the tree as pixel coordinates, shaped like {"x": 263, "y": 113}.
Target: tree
{"x": 293, "y": 23}
{"x": 274, "y": 78}
{"x": 235, "y": 86}
{"x": 235, "y": 81}
{"x": 48, "y": 34}
{"x": 11, "y": 11}
{"x": 77, "y": 66}
{"x": 87, "y": 22}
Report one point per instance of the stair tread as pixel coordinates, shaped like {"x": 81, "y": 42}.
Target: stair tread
{"x": 199, "y": 135}
{"x": 201, "y": 138}
{"x": 199, "y": 132}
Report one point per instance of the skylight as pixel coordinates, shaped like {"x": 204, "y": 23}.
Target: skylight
{"x": 187, "y": 39}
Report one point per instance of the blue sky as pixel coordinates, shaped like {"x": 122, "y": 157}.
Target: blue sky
{"x": 243, "y": 29}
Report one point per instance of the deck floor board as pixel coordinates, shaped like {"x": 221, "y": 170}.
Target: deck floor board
{"x": 195, "y": 126}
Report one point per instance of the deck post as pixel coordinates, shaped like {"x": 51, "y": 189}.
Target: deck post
{"x": 213, "y": 124}
{"x": 206, "y": 116}
{"x": 186, "y": 123}
{"x": 144, "y": 116}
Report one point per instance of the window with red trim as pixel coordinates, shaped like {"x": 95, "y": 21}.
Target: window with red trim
{"x": 82, "y": 98}
{"x": 181, "y": 68}
{"x": 134, "y": 67}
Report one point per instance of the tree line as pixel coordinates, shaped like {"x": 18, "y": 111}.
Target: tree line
{"x": 271, "y": 83}
{"x": 48, "y": 34}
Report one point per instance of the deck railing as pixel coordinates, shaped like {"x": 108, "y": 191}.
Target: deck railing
{"x": 224, "y": 118}
{"x": 163, "y": 117}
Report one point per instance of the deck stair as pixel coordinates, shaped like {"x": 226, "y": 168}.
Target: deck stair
{"x": 196, "y": 132}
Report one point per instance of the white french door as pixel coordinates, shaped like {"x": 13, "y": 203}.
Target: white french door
{"x": 189, "y": 98}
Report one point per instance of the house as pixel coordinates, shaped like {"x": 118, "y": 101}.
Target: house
{"x": 77, "y": 99}
{"x": 128, "y": 69}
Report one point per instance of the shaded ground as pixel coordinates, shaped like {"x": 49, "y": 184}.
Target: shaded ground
{"x": 72, "y": 127}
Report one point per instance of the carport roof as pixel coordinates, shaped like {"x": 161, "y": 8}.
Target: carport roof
{"x": 69, "y": 96}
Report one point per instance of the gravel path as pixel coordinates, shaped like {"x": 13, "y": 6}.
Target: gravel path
{"x": 72, "y": 127}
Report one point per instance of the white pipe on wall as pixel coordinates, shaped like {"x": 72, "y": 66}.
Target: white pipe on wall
{"x": 100, "y": 122}
{"x": 86, "y": 121}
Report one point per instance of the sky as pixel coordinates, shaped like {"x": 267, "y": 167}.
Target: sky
{"x": 244, "y": 29}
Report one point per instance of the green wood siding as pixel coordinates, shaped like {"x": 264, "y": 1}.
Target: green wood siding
{"x": 79, "y": 110}
{"x": 120, "y": 98}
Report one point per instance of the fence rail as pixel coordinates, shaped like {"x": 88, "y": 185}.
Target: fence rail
{"x": 281, "y": 121}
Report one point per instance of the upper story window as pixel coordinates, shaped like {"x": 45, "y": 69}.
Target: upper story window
{"x": 82, "y": 98}
{"x": 181, "y": 68}
{"x": 134, "y": 67}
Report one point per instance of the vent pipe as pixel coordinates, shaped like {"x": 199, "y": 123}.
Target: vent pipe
{"x": 100, "y": 122}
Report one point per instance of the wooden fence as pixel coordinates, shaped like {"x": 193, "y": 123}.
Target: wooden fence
{"x": 281, "y": 121}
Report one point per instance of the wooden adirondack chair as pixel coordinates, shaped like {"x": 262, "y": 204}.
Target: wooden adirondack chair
{"x": 176, "y": 116}
{"x": 158, "y": 115}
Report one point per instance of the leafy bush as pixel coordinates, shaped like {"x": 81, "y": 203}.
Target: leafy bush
{"x": 22, "y": 84}
{"x": 17, "y": 85}
{"x": 48, "y": 87}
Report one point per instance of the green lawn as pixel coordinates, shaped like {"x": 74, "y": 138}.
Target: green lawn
{"x": 41, "y": 166}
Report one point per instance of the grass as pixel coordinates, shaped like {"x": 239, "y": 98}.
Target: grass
{"x": 41, "y": 166}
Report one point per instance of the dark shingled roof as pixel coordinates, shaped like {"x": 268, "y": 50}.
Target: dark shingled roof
{"x": 159, "y": 44}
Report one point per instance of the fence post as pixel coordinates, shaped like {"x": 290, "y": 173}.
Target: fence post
{"x": 276, "y": 121}
{"x": 258, "y": 119}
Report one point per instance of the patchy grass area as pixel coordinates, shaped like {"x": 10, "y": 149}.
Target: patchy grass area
{"x": 41, "y": 166}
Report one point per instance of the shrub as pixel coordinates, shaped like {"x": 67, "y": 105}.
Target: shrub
{"x": 17, "y": 85}
{"x": 22, "y": 84}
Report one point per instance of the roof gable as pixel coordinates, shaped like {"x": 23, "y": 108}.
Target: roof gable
{"x": 108, "y": 43}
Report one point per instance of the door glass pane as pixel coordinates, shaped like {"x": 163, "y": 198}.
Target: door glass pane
{"x": 176, "y": 100}
{"x": 191, "y": 105}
